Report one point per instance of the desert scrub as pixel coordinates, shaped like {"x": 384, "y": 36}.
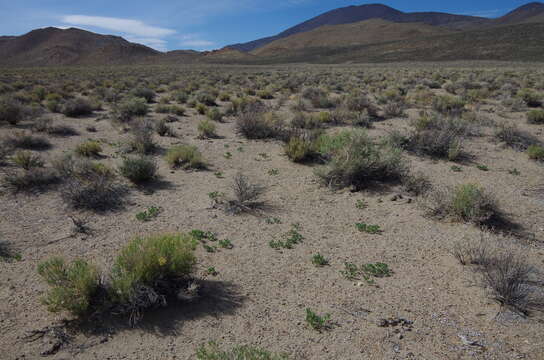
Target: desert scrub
{"x": 299, "y": 149}
{"x": 359, "y": 162}
{"x": 27, "y": 160}
{"x": 89, "y": 148}
{"x": 535, "y": 117}
{"x": 11, "y": 110}
{"x": 206, "y": 129}
{"x": 438, "y": 136}
{"x": 76, "y": 107}
{"x": 211, "y": 351}
{"x": 33, "y": 180}
{"x": 536, "y": 152}
{"x": 448, "y": 105}
{"x": 214, "y": 114}
{"x": 150, "y": 268}
{"x": 318, "y": 322}
{"x": 530, "y": 97}
{"x": 512, "y": 136}
{"x": 129, "y": 108}
{"x": 142, "y": 132}
{"x": 145, "y": 93}
{"x": 163, "y": 129}
{"x": 185, "y": 157}
{"x": 255, "y": 123}
{"x": 73, "y": 285}
{"x": 22, "y": 140}
{"x": 466, "y": 202}
{"x": 139, "y": 170}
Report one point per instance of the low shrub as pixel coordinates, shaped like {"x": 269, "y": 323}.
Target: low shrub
{"x": 163, "y": 129}
{"x": 27, "y": 160}
{"x": 438, "y": 136}
{"x": 144, "y": 93}
{"x": 299, "y": 149}
{"x": 212, "y": 351}
{"x": 536, "y": 152}
{"x": 73, "y": 285}
{"x": 535, "y": 117}
{"x": 77, "y": 107}
{"x": 255, "y": 123}
{"x": 129, "y": 108}
{"x": 139, "y": 170}
{"x": 89, "y": 148}
{"x": 185, "y": 157}
{"x": 206, "y": 129}
{"x": 511, "y": 135}
{"x": 34, "y": 179}
{"x": 360, "y": 162}
{"x": 22, "y": 140}
{"x": 467, "y": 202}
{"x": 448, "y": 105}
{"x": 214, "y": 114}
{"x": 11, "y": 110}
{"x": 530, "y": 97}
{"x": 142, "y": 136}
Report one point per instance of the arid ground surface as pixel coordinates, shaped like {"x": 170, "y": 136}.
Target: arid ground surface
{"x": 438, "y": 308}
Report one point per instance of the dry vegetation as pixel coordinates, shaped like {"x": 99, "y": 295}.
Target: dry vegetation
{"x": 305, "y": 212}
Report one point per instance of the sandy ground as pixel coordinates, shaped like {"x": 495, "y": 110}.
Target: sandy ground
{"x": 260, "y": 294}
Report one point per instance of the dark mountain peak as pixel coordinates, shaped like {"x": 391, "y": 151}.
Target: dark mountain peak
{"x": 523, "y": 13}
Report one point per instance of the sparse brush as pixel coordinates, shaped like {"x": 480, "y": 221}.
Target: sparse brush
{"x": 142, "y": 136}
{"x": 211, "y": 351}
{"x": 536, "y": 152}
{"x": 27, "y": 160}
{"x": 438, "y": 136}
{"x": 11, "y": 110}
{"x": 185, "y": 157}
{"x": 129, "y": 108}
{"x": 89, "y": 148}
{"x": 255, "y": 123}
{"x": 76, "y": 107}
{"x": 246, "y": 195}
{"x": 448, "y": 105}
{"x": 163, "y": 129}
{"x": 139, "y": 170}
{"x": 22, "y": 140}
{"x": 35, "y": 179}
{"x": 513, "y": 137}
{"x": 206, "y": 129}
{"x": 535, "y": 117}
{"x": 145, "y": 93}
{"x": 299, "y": 149}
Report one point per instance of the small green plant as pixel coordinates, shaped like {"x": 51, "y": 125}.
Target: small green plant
{"x": 211, "y": 271}
{"x": 319, "y": 260}
{"x": 185, "y": 157}
{"x": 206, "y": 129}
{"x": 27, "y": 160}
{"x": 456, "y": 168}
{"x": 535, "y": 116}
{"x": 73, "y": 285}
{"x": 227, "y": 155}
{"x": 377, "y": 269}
{"x": 273, "y": 172}
{"x": 536, "y": 152}
{"x": 361, "y": 204}
{"x": 514, "y": 172}
{"x": 139, "y": 170}
{"x": 289, "y": 239}
{"x": 208, "y": 248}
{"x": 225, "y": 244}
{"x": 317, "y": 322}
{"x": 149, "y": 214}
{"x": 482, "y": 167}
{"x": 211, "y": 351}
{"x": 350, "y": 271}
{"x": 201, "y": 235}
{"x": 370, "y": 229}
{"x": 219, "y": 175}
{"x": 89, "y": 148}
{"x": 273, "y": 220}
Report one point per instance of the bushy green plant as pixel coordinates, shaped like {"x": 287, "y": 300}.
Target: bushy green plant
{"x": 299, "y": 149}
{"x": 145, "y": 93}
{"x": 89, "y": 148}
{"x": 77, "y": 107}
{"x": 530, "y": 97}
{"x": 139, "y": 170}
{"x": 212, "y": 351}
{"x": 27, "y": 160}
{"x": 535, "y": 117}
{"x": 130, "y": 108}
{"x": 535, "y": 152}
{"x": 185, "y": 156}
{"x": 206, "y": 129}
{"x": 11, "y": 110}
{"x": 446, "y": 104}
{"x": 73, "y": 285}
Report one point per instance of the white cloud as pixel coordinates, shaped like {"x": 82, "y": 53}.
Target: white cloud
{"x": 195, "y": 41}
{"x": 129, "y": 26}
{"x": 157, "y": 44}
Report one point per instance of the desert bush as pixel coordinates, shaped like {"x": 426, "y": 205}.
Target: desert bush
{"x": 89, "y": 148}
{"x": 149, "y": 269}
{"x": 394, "y": 109}
{"x": 73, "y": 285}
{"x": 214, "y": 114}
{"x": 22, "y": 140}
{"x": 448, "y": 105}
{"x": 438, "y": 136}
{"x": 206, "y": 129}
{"x": 360, "y": 162}
{"x": 535, "y": 117}
{"x": 142, "y": 136}
{"x": 511, "y": 135}
{"x": 299, "y": 149}
{"x": 185, "y": 157}
{"x": 361, "y": 102}
{"x": 27, "y": 160}
{"x": 129, "y": 108}
{"x": 144, "y": 93}
{"x": 467, "y": 202}
{"x": 77, "y": 107}
{"x": 201, "y": 109}
{"x": 536, "y": 152}
{"x": 163, "y": 129}
{"x": 90, "y": 185}
{"x": 246, "y": 196}
{"x": 530, "y": 97}
{"x": 205, "y": 98}
{"x": 34, "y": 179}
{"x": 306, "y": 121}
{"x": 212, "y": 351}
{"x": 265, "y": 94}
{"x": 11, "y": 110}
{"x": 139, "y": 170}
{"x": 255, "y": 123}
{"x": 416, "y": 184}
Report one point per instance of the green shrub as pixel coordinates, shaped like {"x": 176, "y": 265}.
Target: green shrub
{"x": 360, "y": 163}
{"x": 185, "y": 156}
{"x": 22, "y": 140}
{"x": 535, "y": 117}
{"x": 255, "y": 123}
{"x": 139, "y": 170}
{"x": 77, "y": 107}
{"x": 512, "y": 136}
{"x": 530, "y": 97}
{"x": 206, "y": 129}
{"x": 27, "y": 160}
{"x": 535, "y": 152}
{"x": 212, "y": 351}
{"x": 201, "y": 109}
{"x": 89, "y": 148}
{"x": 11, "y": 110}
{"x": 142, "y": 136}
{"x": 468, "y": 202}
{"x": 73, "y": 285}
{"x": 450, "y": 105}
{"x": 148, "y": 269}
{"x": 32, "y": 180}
{"x": 145, "y": 93}
{"x": 438, "y": 136}
{"x": 130, "y": 108}
{"x": 214, "y": 114}
{"x": 163, "y": 129}
{"x": 299, "y": 149}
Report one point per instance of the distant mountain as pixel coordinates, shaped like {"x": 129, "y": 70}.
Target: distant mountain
{"x": 352, "y": 14}
{"x": 523, "y": 14}
{"x": 53, "y": 46}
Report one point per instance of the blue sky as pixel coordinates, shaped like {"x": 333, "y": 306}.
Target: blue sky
{"x": 204, "y": 24}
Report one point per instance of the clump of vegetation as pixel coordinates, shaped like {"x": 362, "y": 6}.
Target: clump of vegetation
{"x": 89, "y": 148}
{"x": 27, "y": 160}
{"x": 163, "y": 129}
{"x": 319, "y": 260}
{"x": 318, "y": 322}
{"x": 11, "y": 110}
{"x": 369, "y": 229}
{"x": 299, "y": 149}
{"x": 438, "y": 136}
{"x": 513, "y": 137}
{"x": 246, "y": 197}
{"x": 73, "y": 285}
{"x": 448, "y": 105}
{"x": 185, "y": 157}
{"x": 142, "y": 136}
{"x": 535, "y": 117}
{"x": 77, "y": 107}
{"x": 22, "y": 140}
{"x": 144, "y": 93}
{"x": 32, "y": 180}
{"x": 288, "y": 240}
{"x": 139, "y": 170}
{"x": 255, "y": 123}
{"x": 206, "y": 129}
{"x": 530, "y": 97}
{"x": 129, "y": 108}
{"x": 536, "y": 152}
{"x": 149, "y": 269}
{"x": 467, "y": 202}
{"x": 212, "y": 351}
{"x": 149, "y": 214}
{"x": 359, "y": 162}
